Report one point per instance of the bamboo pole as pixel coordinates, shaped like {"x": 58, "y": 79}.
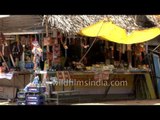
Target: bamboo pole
{"x": 46, "y": 25}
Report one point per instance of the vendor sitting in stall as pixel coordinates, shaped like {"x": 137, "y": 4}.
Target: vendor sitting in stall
{"x": 29, "y": 64}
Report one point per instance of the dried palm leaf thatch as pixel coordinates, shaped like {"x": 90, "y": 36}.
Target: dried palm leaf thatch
{"x": 155, "y": 19}
{"x": 72, "y": 24}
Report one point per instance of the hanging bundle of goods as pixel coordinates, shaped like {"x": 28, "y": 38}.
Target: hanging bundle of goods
{"x": 56, "y": 52}
{"x": 139, "y": 51}
{"x": 4, "y": 52}
{"x": 3, "y": 45}
{"x": 48, "y": 44}
{"x": 16, "y": 48}
{"x": 37, "y": 51}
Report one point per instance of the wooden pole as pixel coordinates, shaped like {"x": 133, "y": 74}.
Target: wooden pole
{"x": 4, "y": 61}
{"x": 12, "y": 60}
{"x": 129, "y": 56}
{"x": 46, "y": 23}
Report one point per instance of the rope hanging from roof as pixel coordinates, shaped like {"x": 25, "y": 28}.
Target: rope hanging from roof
{"x": 91, "y": 44}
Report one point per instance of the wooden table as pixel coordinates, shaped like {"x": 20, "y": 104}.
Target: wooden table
{"x": 13, "y": 76}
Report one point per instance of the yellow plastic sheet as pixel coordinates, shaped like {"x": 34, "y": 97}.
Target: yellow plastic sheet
{"x": 114, "y": 33}
{"x": 135, "y": 36}
{"x": 106, "y": 29}
{"x": 142, "y": 35}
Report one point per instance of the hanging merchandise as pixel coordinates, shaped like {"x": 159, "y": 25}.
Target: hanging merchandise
{"x": 48, "y": 41}
{"x": 64, "y": 43}
{"x": 16, "y": 48}
{"x": 54, "y": 33}
{"x": 37, "y": 51}
{"x": 69, "y": 40}
{"x": 129, "y": 55}
{"x": 139, "y": 50}
{"x": 46, "y": 65}
{"x": 4, "y": 49}
{"x": 29, "y": 64}
{"x": 28, "y": 47}
{"x": 107, "y": 49}
{"x": 123, "y": 48}
{"x": 56, "y": 52}
{"x": 30, "y": 41}
{"x": 112, "y": 53}
{"x": 23, "y": 40}
{"x": 59, "y": 36}
{"x": 84, "y": 44}
{"x": 56, "y": 49}
{"x": 41, "y": 39}
{"x": 120, "y": 52}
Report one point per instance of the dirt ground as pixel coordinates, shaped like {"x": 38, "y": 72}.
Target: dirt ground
{"x": 119, "y": 102}
{"x": 124, "y": 102}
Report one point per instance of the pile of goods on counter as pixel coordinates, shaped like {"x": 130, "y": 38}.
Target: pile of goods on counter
{"x": 113, "y": 68}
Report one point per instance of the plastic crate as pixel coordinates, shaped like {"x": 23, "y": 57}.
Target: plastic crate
{"x": 36, "y": 89}
{"x": 39, "y": 98}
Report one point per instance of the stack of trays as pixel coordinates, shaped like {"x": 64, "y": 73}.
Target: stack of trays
{"x": 35, "y": 99}
{"x": 33, "y": 96}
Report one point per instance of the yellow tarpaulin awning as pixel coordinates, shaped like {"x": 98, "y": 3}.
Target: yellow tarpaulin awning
{"x": 142, "y": 35}
{"x": 114, "y": 33}
{"x": 138, "y": 36}
{"x": 101, "y": 28}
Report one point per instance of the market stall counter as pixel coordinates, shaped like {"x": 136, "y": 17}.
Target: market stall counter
{"x": 10, "y": 82}
{"x": 137, "y": 82}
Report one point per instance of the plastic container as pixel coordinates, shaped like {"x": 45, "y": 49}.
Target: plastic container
{"x": 39, "y": 98}
{"x": 36, "y": 89}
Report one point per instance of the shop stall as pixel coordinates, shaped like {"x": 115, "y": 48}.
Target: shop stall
{"x": 96, "y": 62}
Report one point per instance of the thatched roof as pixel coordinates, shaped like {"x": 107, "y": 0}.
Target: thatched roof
{"x": 155, "y": 19}
{"x": 21, "y": 23}
{"x": 72, "y": 24}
